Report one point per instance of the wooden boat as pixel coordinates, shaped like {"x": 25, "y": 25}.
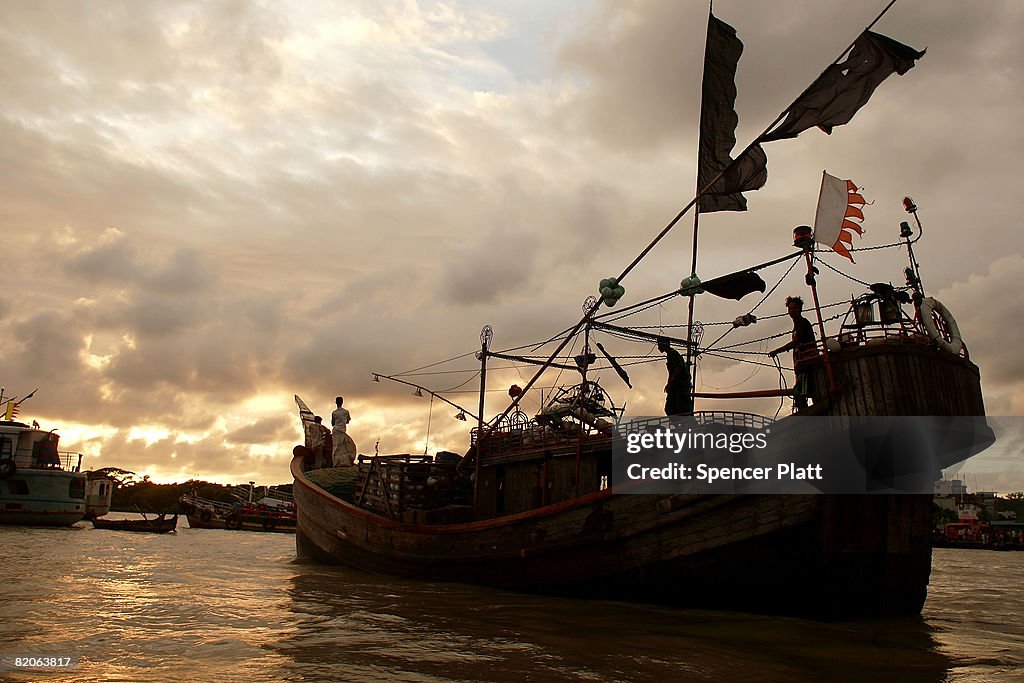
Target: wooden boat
{"x": 530, "y": 506}
{"x": 156, "y": 525}
{"x": 275, "y": 514}
{"x": 530, "y": 529}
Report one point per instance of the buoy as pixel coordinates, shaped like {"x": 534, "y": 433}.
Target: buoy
{"x": 929, "y": 308}
{"x": 610, "y": 290}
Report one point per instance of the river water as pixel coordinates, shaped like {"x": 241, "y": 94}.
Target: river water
{"x": 236, "y": 606}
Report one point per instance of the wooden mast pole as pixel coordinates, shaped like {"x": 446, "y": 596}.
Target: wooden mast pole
{"x": 486, "y": 334}
{"x": 583, "y": 392}
{"x": 696, "y": 220}
{"x": 832, "y": 386}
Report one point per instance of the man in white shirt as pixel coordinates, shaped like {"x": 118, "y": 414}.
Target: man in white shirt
{"x": 342, "y": 456}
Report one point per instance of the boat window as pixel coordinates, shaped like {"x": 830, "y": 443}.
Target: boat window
{"x": 77, "y": 488}
{"x": 18, "y": 487}
{"x": 6, "y": 447}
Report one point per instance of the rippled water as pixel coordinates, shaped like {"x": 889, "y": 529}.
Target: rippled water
{"x": 237, "y": 606}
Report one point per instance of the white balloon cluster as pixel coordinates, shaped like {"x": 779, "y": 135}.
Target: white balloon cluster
{"x": 611, "y": 291}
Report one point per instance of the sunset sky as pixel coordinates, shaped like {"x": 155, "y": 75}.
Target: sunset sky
{"x": 208, "y": 207}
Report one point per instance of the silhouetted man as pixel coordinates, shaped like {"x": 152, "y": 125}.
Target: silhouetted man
{"x": 802, "y": 342}
{"x": 339, "y": 426}
{"x": 678, "y": 399}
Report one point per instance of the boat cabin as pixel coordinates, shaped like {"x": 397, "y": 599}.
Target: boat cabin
{"x": 32, "y": 448}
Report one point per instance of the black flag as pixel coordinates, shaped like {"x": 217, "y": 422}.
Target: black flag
{"x": 718, "y": 127}
{"x": 735, "y": 285}
{"x": 844, "y": 88}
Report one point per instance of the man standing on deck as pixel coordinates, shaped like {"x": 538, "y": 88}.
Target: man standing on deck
{"x": 803, "y": 341}
{"x": 678, "y": 398}
{"x": 339, "y": 426}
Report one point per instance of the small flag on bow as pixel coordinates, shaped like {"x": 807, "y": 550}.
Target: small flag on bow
{"x": 839, "y": 214}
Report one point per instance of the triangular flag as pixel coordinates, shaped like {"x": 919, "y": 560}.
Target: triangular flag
{"x": 838, "y": 203}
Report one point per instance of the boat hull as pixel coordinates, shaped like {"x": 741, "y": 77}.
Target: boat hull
{"x": 42, "y": 497}
{"x": 215, "y": 522}
{"x": 820, "y": 555}
{"x": 153, "y": 526}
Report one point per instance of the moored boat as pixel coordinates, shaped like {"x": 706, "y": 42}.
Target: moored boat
{"x": 39, "y": 484}
{"x": 538, "y": 503}
{"x": 274, "y": 512}
{"x": 98, "y": 494}
{"x": 533, "y": 527}
{"x": 161, "y": 524}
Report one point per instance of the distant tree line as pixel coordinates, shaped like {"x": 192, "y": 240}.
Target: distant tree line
{"x": 1012, "y": 502}
{"x": 133, "y": 493}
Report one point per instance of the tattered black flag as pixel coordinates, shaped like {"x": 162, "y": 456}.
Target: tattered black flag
{"x": 844, "y": 88}
{"x": 718, "y": 127}
{"x": 735, "y": 285}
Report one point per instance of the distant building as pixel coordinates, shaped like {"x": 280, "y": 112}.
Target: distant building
{"x": 952, "y": 495}
{"x": 950, "y": 487}
{"x": 988, "y": 502}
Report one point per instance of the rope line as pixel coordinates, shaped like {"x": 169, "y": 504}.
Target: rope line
{"x": 775, "y": 336}
{"x": 846, "y": 275}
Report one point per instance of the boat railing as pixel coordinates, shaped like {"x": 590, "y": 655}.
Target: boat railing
{"x": 278, "y": 494}
{"x": 705, "y": 418}
{"x": 215, "y": 506}
{"x": 534, "y": 437}
{"x": 537, "y": 437}
{"x": 63, "y": 460}
{"x": 863, "y": 328}
{"x": 870, "y": 335}
{"x": 70, "y": 461}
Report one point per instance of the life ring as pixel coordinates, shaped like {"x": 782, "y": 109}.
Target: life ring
{"x": 7, "y": 468}
{"x": 206, "y": 515}
{"x": 948, "y": 339}
{"x": 233, "y": 522}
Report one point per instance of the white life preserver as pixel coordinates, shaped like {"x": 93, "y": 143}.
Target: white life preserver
{"x": 928, "y": 309}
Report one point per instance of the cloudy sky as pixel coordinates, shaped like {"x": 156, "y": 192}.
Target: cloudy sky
{"x": 208, "y": 207}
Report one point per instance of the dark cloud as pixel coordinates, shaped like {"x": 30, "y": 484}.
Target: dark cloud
{"x": 267, "y": 430}
{"x": 988, "y": 312}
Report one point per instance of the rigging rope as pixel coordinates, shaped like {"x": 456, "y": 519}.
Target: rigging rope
{"x": 757, "y": 369}
{"x": 775, "y": 336}
{"x": 783, "y": 385}
{"x": 847, "y": 276}
{"x": 440, "y": 362}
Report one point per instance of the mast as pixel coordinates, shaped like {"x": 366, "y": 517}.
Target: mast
{"x": 696, "y": 219}
{"x": 804, "y": 240}
{"x": 913, "y": 273}
{"x": 486, "y": 334}
{"x": 587, "y": 305}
